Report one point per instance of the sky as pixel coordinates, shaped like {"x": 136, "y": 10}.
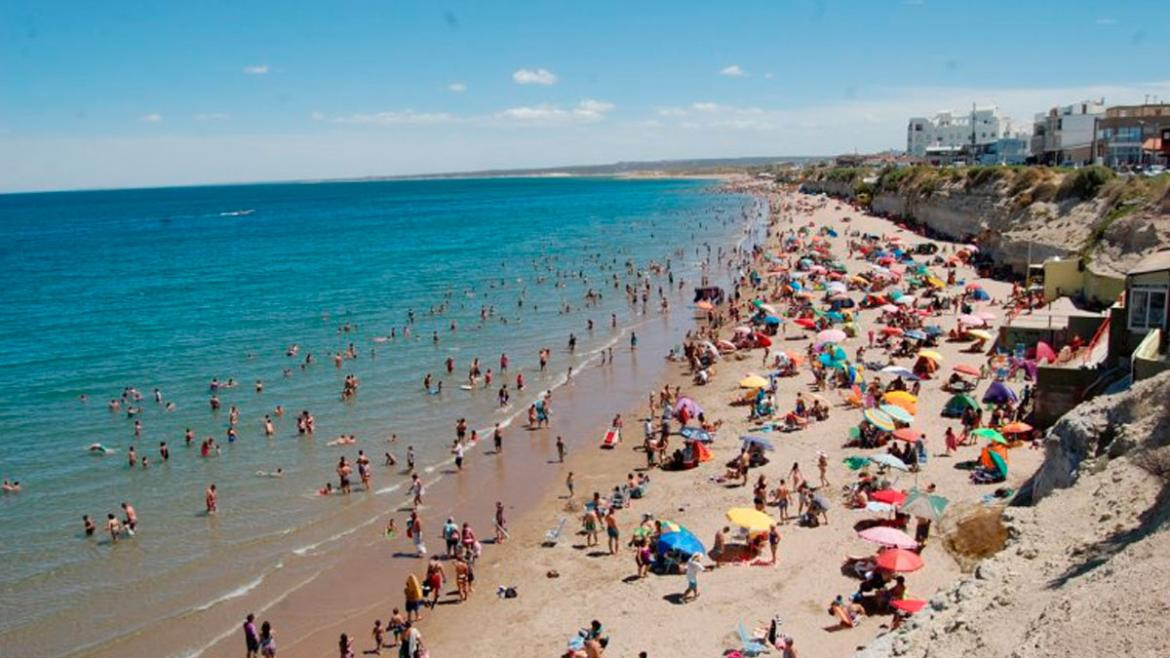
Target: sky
{"x": 139, "y": 94}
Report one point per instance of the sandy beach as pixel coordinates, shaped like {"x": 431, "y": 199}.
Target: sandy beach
{"x": 644, "y": 615}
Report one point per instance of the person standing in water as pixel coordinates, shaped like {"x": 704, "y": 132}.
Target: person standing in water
{"x": 211, "y": 499}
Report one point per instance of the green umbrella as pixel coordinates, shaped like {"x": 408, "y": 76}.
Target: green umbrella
{"x": 920, "y": 503}
{"x": 1000, "y": 463}
{"x": 989, "y": 434}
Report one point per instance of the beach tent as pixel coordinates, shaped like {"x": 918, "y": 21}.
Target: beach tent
{"x": 980, "y": 295}
{"x": 701, "y": 453}
{"x": 748, "y": 441}
{"x": 999, "y": 393}
{"x": 925, "y": 367}
{"x": 957, "y": 404}
{"x": 994, "y": 460}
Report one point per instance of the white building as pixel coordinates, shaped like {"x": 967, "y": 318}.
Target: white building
{"x": 949, "y": 132}
{"x": 1065, "y": 134}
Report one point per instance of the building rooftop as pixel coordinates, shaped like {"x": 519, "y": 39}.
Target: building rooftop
{"x": 1155, "y": 262}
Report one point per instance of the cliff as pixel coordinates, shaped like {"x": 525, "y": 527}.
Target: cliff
{"x": 1109, "y": 220}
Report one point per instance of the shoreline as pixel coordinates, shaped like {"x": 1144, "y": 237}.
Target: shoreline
{"x": 353, "y": 580}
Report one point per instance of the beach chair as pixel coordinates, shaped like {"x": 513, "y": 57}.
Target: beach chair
{"x": 750, "y": 647}
{"x": 554, "y": 535}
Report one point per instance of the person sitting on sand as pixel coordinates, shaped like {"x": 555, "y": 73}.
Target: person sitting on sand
{"x": 849, "y": 613}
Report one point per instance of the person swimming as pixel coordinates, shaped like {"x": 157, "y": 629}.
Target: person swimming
{"x": 278, "y": 473}
{"x": 99, "y": 449}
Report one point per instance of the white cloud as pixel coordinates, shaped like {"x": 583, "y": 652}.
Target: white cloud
{"x": 211, "y": 116}
{"x": 534, "y": 77}
{"x": 705, "y": 107}
{"x": 390, "y": 118}
{"x": 733, "y": 71}
{"x": 256, "y": 69}
{"x": 153, "y": 117}
{"x": 457, "y": 87}
{"x": 586, "y": 111}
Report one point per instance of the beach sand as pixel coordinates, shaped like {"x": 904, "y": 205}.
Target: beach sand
{"x": 643, "y": 615}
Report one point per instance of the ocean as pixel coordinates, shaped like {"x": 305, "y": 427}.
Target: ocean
{"x": 169, "y": 289}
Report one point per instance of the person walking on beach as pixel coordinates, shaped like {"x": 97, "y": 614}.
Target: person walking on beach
{"x": 611, "y": 531}
{"x": 498, "y": 439}
{"x": 414, "y": 531}
{"x": 569, "y": 484}
{"x": 773, "y": 541}
{"x": 823, "y": 467}
{"x": 251, "y": 636}
{"x": 267, "y": 641}
{"x": 416, "y": 490}
{"x": 560, "y": 449}
{"x": 501, "y": 523}
{"x": 694, "y": 566}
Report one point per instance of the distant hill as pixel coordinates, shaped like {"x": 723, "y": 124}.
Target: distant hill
{"x": 696, "y": 166}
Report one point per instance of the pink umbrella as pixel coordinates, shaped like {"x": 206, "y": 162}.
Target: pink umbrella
{"x": 888, "y": 308}
{"x": 887, "y": 536}
{"x": 1044, "y": 352}
{"x": 971, "y": 320}
{"x": 831, "y": 336}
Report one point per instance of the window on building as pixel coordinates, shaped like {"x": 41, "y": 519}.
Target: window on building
{"x": 1147, "y": 307}
{"x": 1129, "y": 134}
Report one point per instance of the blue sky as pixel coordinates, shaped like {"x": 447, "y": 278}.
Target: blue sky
{"x": 123, "y": 94}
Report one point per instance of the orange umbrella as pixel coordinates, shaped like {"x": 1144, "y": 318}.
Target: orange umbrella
{"x": 1015, "y": 428}
{"x": 899, "y": 560}
{"x": 965, "y": 369}
{"x": 706, "y": 306}
{"x": 907, "y": 434}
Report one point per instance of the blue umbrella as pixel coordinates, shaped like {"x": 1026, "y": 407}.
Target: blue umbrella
{"x": 934, "y": 330}
{"x": 749, "y": 440}
{"x": 682, "y": 541}
{"x": 696, "y": 434}
{"x": 771, "y": 319}
{"x": 915, "y": 335}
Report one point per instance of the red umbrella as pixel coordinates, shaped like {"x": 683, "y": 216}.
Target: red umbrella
{"x": 807, "y": 323}
{"x": 891, "y": 331}
{"x": 907, "y": 434}
{"x": 763, "y": 341}
{"x": 899, "y": 560}
{"x": 909, "y": 605}
{"x": 965, "y": 369}
{"x": 890, "y": 496}
{"x": 1044, "y": 352}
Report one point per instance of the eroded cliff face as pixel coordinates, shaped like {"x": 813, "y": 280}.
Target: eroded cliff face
{"x": 1017, "y": 223}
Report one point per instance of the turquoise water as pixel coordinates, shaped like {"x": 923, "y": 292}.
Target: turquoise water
{"x": 170, "y": 288}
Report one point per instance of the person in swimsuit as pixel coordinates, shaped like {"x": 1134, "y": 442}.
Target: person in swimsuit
{"x": 211, "y": 499}
{"x": 114, "y": 526}
{"x": 611, "y": 531}
{"x": 435, "y": 579}
{"x": 267, "y": 641}
{"x": 461, "y": 578}
{"x": 90, "y": 526}
{"x": 591, "y": 527}
{"x": 343, "y": 471}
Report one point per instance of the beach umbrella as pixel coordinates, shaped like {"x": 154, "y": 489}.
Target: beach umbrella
{"x": 932, "y": 355}
{"x": 972, "y": 287}
{"x": 706, "y": 306}
{"x": 880, "y": 419}
{"x": 726, "y": 345}
{"x": 920, "y": 503}
{"x": 711, "y": 349}
{"x": 743, "y": 330}
{"x": 965, "y": 369}
{"x": 972, "y": 320}
{"x": 989, "y": 434}
{"x": 888, "y": 308}
{"x": 696, "y": 434}
{"x": 750, "y": 519}
{"x": 1044, "y": 352}
{"x": 831, "y": 336}
{"x": 980, "y": 334}
{"x": 910, "y": 606}
{"x": 907, "y": 434}
{"x": 1017, "y": 427}
{"x": 875, "y": 506}
{"x": 933, "y": 330}
{"x": 767, "y": 308}
{"x": 1000, "y": 463}
{"x": 682, "y": 541}
{"x": 900, "y": 371}
{"x": 915, "y": 335}
{"x": 807, "y": 323}
{"x": 772, "y": 319}
{"x": 748, "y": 441}
{"x": 692, "y": 407}
{"x": 902, "y": 399}
{"x": 999, "y": 393}
{"x": 891, "y": 496}
{"x": 795, "y": 357}
{"x": 887, "y": 536}
{"x": 763, "y": 341}
{"x": 885, "y": 459}
{"x": 899, "y": 560}
{"x": 892, "y": 331}
{"x": 897, "y": 413}
{"x": 753, "y": 381}
{"x": 905, "y": 300}
{"x": 836, "y": 286}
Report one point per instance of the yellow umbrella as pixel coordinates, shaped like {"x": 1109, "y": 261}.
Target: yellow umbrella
{"x": 753, "y": 381}
{"x": 902, "y": 399}
{"x": 932, "y": 355}
{"x": 750, "y": 519}
{"x": 935, "y": 282}
{"x": 979, "y": 333}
